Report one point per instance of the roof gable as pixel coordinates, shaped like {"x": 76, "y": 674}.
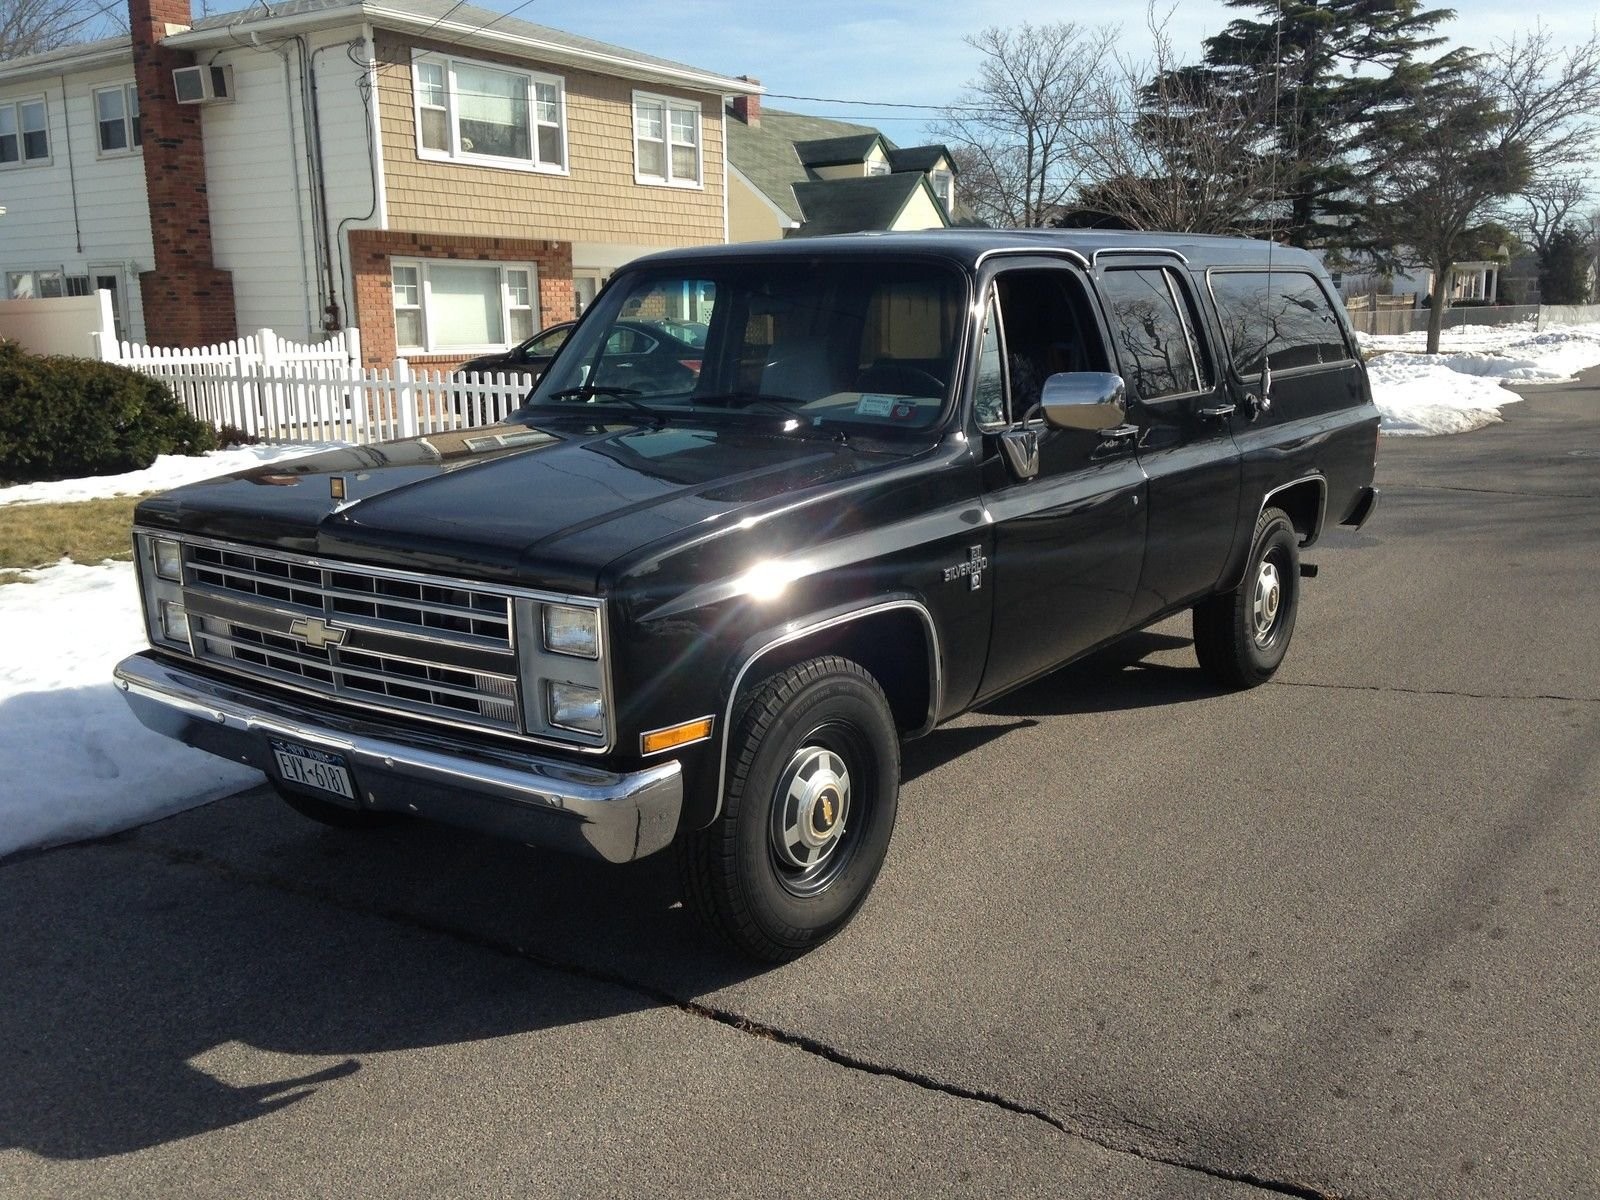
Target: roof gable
{"x": 857, "y": 205}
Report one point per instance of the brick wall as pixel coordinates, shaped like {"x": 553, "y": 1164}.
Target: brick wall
{"x": 372, "y": 251}
{"x": 188, "y": 300}
{"x": 597, "y": 200}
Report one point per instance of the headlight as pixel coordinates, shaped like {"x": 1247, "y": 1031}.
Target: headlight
{"x": 574, "y": 706}
{"x": 570, "y": 630}
{"x": 169, "y": 559}
{"x": 174, "y": 621}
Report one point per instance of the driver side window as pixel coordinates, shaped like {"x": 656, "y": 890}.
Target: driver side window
{"x": 1037, "y": 324}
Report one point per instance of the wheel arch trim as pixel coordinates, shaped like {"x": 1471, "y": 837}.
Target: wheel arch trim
{"x": 821, "y": 624}
{"x": 1316, "y": 477}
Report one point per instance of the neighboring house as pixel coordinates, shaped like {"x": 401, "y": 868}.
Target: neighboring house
{"x": 1473, "y": 281}
{"x": 796, "y": 176}
{"x": 445, "y": 178}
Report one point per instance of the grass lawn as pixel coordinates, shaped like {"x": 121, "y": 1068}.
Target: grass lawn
{"x": 86, "y": 531}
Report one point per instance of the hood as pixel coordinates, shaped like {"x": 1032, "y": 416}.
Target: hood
{"x": 547, "y": 506}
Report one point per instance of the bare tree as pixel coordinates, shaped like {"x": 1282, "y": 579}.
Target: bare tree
{"x": 1164, "y": 149}
{"x": 1523, "y": 113}
{"x": 34, "y": 26}
{"x": 1548, "y": 205}
{"x": 1014, "y": 126}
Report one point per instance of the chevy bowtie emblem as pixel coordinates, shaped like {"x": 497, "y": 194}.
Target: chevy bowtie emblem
{"x": 317, "y": 633}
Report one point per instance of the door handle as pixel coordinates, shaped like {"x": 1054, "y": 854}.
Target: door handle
{"x": 1121, "y": 433}
{"x": 1220, "y": 413}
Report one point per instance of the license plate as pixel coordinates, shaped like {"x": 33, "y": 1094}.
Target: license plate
{"x": 309, "y": 767}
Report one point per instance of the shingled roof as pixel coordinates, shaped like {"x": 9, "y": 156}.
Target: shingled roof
{"x": 857, "y": 205}
{"x": 780, "y": 155}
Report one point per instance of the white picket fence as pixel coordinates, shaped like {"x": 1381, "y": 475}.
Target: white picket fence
{"x": 281, "y": 391}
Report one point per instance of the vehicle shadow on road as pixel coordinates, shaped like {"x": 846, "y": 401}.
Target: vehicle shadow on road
{"x": 223, "y": 964}
{"x": 1111, "y": 680}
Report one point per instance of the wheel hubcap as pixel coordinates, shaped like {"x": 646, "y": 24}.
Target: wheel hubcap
{"x": 810, "y": 813}
{"x": 1268, "y": 600}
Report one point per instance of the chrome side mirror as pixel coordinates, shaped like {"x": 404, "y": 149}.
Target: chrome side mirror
{"x": 1091, "y": 400}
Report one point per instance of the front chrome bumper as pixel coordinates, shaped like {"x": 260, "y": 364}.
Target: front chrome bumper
{"x": 540, "y": 801}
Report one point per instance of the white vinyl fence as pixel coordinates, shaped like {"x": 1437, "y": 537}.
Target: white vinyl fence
{"x": 281, "y": 391}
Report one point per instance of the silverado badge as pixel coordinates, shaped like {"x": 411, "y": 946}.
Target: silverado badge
{"x": 977, "y": 562}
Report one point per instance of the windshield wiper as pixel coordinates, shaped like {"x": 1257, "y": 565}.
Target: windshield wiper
{"x": 786, "y": 405}
{"x": 624, "y": 394}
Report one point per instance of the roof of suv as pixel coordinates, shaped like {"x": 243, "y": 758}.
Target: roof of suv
{"x": 968, "y": 246}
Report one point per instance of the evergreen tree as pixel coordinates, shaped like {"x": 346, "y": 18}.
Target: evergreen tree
{"x": 1564, "y": 268}
{"x": 1324, "y": 76}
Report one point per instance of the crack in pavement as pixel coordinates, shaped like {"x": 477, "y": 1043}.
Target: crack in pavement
{"x": 1446, "y": 487}
{"x": 1417, "y": 691}
{"x": 176, "y": 856}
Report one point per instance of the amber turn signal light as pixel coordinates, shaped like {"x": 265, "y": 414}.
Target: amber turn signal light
{"x": 675, "y": 735}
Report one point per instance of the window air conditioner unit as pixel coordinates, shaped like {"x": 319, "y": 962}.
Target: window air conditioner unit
{"x": 202, "y": 85}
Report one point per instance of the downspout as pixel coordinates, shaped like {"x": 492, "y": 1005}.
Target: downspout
{"x": 722, "y": 112}
{"x": 72, "y": 174}
{"x": 299, "y": 208}
{"x": 334, "y": 322}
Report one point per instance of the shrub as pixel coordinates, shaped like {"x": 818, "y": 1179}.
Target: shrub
{"x": 64, "y": 417}
{"x": 232, "y": 435}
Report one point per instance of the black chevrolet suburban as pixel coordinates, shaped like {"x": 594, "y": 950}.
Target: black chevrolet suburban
{"x": 908, "y": 473}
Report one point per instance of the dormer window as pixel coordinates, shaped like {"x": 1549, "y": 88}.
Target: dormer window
{"x": 878, "y": 167}
{"x": 944, "y": 187}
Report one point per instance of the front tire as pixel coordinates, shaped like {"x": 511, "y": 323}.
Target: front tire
{"x": 1241, "y": 636}
{"x": 813, "y": 789}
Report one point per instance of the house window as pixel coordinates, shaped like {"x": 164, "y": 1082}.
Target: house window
{"x": 36, "y": 285}
{"x": 116, "y": 112}
{"x": 444, "y": 307}
{"x": 666, "y": 140}
{"x": 879, "y": 168}
{"x": 24, "y": 133}
{"x": 944, "y": 187}
{"x": 472, "y": 112}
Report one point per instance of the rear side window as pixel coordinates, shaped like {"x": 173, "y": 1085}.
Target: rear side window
{"x": 1152, "y": 326}
{"x": 1280, "y": 319}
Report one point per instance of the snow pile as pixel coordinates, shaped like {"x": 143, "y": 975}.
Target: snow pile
{"x": 1461, "y": 388}
{"x": 75, "y": 761}
{"x": 168, "y": 471}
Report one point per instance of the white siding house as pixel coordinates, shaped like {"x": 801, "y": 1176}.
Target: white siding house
{"x": 263, "y": 207}
{"x": 76, "y": 218}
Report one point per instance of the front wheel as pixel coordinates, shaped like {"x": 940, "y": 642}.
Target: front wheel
{"x": 1241, "y": 636}
{"x": 813, "y": 787}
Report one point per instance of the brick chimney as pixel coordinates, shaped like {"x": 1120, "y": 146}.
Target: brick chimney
{"x": 188, "y": 301}
{"x": 748, "y": 108}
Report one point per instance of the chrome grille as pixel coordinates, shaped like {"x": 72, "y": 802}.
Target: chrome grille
{"x": 442, "y": 607}
{"x": 439, "y": 648}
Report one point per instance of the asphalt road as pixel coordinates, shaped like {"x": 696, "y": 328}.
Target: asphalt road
{"x": 1335, "y": 936}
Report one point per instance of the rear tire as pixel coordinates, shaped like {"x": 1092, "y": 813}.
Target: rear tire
{"x": 813, "y": 789}
{"x": 1241, "y": 636}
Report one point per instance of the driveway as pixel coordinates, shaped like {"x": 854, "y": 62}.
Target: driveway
{"x": 1332, "y": 937}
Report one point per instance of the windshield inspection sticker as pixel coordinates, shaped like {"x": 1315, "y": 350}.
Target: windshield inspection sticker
{"x": 872, "y": 404}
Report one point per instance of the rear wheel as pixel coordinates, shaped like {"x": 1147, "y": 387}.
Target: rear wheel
{"x": 1241, "y": 636}
{"x": 813, "y": 788}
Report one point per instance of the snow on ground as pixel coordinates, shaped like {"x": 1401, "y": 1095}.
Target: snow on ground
{"x": 1460, "y": 389}
{"x": 75, "y": 761}
{"x": 168, "y": 471}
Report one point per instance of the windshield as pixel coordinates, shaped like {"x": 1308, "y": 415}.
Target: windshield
{"x": 866, "y": 346}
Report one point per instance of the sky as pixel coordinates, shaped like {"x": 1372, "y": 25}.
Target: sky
{"x": 911, "y": 52}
